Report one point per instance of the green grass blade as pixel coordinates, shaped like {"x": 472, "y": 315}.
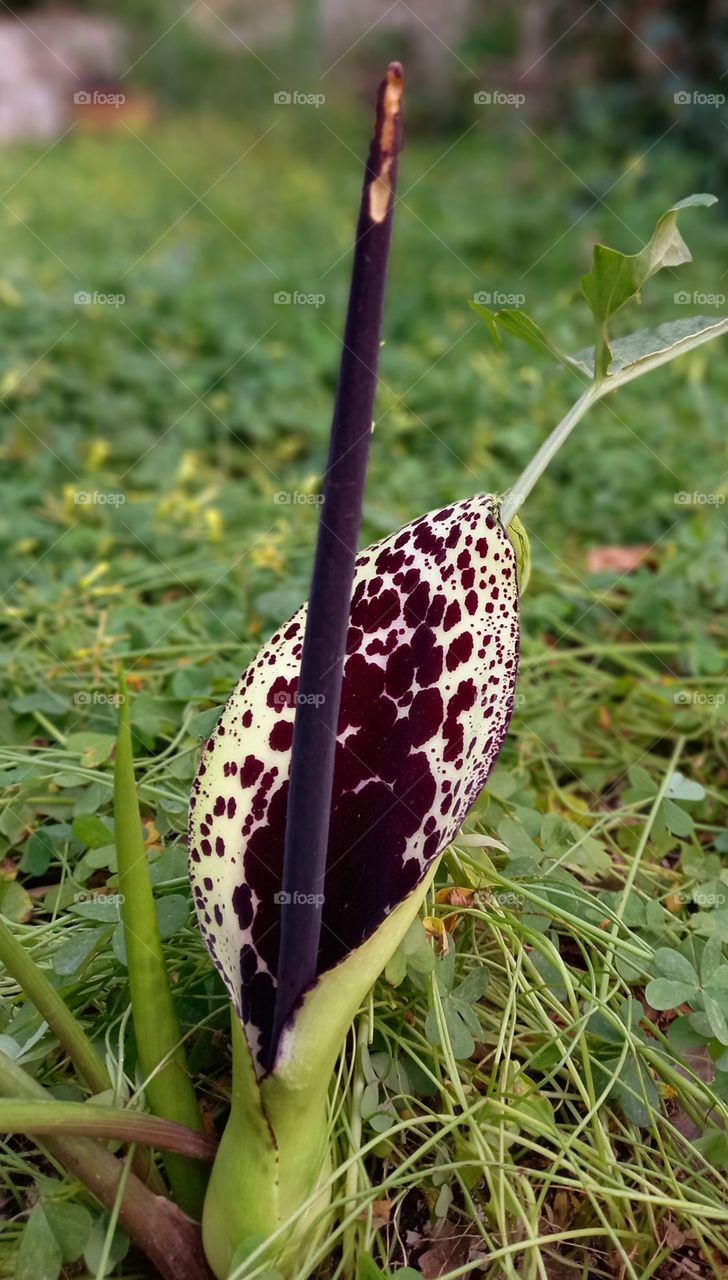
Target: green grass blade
{"x": 169, "y": 1090}
{"x": 35, "y": 986}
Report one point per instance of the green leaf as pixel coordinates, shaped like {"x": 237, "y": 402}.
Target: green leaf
{"x": 202, "y": 724}
{"x": 552, "y": 976}
{"x": 73, "y": 954}
{"x": 37, "y": 854}
{"x": 461, "y": 1039}
{"x": 40, "y": 1256}
{"x": 71, "y": 1225}
{"x": 636, "y": 1092}
{"x": 368, "y": 1269}
{"x": 474, "y": 987}
{"x": 91, "y": 831}
{"x": 659, "y": 345}
{"x": 102, "y": 907}
{"x": 713, "y": 1145}
{"x": 682, "y": 1035}
{"x": 93, "y": 1254}
{"x": 617, "y": 277}
{"x": 519, "y": 325}
{"x": 93, "y": 748}
{"x": 676, "y": 819}
{"x": 15, "y": 901}
{"x": 396, "y": 969}
{"x": 671, "y": 964}
{"x": 716, "y": 1018}
{"x": 642, "y": 785}
{"x": 171, "y": 865}
{"x": 191, "y": 682}
{"x": 519, "y": 842}
{"x": 172, "y": 914}
{"x": 41, "y": 700}
{"x": 681, "y": 788}
{"x": 664, "y": 993}
{"x": 711, "y": 959}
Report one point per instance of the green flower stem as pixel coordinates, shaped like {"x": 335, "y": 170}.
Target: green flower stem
{"x": 272, "y": 1176}
{"x": 86, "y": 1120}
{"x": 517, "y": 495}
{"x": 36, "y": 987}
{"x": 168, "y": 1087}
{"x": 163, "y": 1232}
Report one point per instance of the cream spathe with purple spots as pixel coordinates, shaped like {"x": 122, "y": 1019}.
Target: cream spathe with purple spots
{"x": 428, "y": 693}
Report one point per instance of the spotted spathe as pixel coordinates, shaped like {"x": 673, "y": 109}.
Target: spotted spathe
{"x": 427, "y": 695}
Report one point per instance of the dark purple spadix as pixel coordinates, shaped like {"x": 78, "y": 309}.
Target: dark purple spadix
{"x": 324, "y": 645}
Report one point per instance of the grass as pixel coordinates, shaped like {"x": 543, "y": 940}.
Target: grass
{"x": 544, "y": 1119}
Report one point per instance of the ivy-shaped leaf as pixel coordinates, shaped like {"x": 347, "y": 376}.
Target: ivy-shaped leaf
{"x": 617, "y": 277}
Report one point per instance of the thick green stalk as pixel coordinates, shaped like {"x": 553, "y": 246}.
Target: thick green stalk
{"x": 86, "y": 1120}
{"x": 168, "y": 1087}
{"x": 273, "y": 1168}
{"x": 62, "y": 1022}
{"x": 159, "y": 1228}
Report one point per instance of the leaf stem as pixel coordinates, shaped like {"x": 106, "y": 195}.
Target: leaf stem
{"x": 602, "y": 385}
{"x": 87, "y": 1120}
{"x": 319, "y": 692}
{"x": 37, "y": 988}
{"x": 159, "y": 1228}
{"x": 516, "y": 496}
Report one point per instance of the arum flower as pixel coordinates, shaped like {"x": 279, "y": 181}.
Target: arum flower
{"x": 428, "y": 692}
{"x": 341, "y": 767}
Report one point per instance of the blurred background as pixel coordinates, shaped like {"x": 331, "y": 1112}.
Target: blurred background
{"x": 178, "y": 190}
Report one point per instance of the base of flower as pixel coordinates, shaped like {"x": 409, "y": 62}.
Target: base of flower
{"x": 267, "y": 1192}
{"x": 270, "y": 1186}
